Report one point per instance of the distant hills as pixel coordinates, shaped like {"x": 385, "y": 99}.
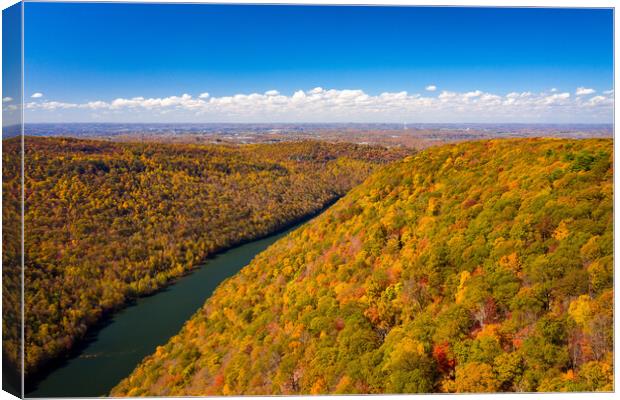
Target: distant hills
{"x": 389, "y": 134}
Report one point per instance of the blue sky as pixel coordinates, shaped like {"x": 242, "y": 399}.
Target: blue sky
{"x": 78, "y": 54}
{"x": 11, "y": 65}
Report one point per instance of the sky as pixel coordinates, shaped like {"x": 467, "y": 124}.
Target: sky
{"x": 243, "y": 63}
{"x": 11, "y": 65}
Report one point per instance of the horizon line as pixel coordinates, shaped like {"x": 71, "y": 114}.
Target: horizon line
{"x": 312, "y": 123}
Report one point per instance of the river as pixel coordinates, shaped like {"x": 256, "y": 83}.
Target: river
{"x": 110, "y": 353}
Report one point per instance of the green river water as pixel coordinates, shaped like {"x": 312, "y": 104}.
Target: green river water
{"x": 111, "y": 352}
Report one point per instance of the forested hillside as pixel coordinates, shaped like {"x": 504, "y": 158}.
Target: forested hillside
{"x": 11, "y": 268}
{"x": 107, "y": 222}
{"x": 478, "y": 267}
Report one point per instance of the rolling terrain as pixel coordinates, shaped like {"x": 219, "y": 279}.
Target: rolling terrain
{"x": 108, "y": 222}
{"x": 477, "y": 267}
{"x": 413, "y": 135}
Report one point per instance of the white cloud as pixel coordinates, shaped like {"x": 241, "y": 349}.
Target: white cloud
{"x": 51, "y": 105}
{"x": 431, "y": 88}
{"x": 473, "y": 94}
{"x": 582, "y": 91}
{"x": 599, "y": 100}
{"x": 553, "y": 90}
{"x": 37, "y": 95}
{"x": 7, "y": 99}
{"x": 556, "y": 98}
{"x": 184, "y": 101}
{"x": 445, "y": 95}
{"x": 95, "y": 105}
{"x": 204, "y": 95}
{"x": 341, "y": 105}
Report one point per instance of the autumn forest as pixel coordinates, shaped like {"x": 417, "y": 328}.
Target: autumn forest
{"x": 482, "y": 266}
{"x": 108, "y": 222}
{"x": 478, "y": 267}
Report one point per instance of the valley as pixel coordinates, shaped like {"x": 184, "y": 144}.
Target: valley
{"x": 479, "y": 267}
{"x": 482, "y": 266}
{"x": 107, "y": 223}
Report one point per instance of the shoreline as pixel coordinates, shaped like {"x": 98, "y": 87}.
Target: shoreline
{"x": 33, "y": 378}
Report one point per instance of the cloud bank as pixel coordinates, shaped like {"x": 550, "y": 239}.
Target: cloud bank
{"x": 338, "y": 105}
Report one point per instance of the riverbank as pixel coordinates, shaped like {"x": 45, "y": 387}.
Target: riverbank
{"x": 112, "y": 351}
{"x": 108, "y": 315}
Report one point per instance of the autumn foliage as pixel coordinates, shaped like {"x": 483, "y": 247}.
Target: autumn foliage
{"x": 478, "y": 267}
{"x": 106, "y": 222}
